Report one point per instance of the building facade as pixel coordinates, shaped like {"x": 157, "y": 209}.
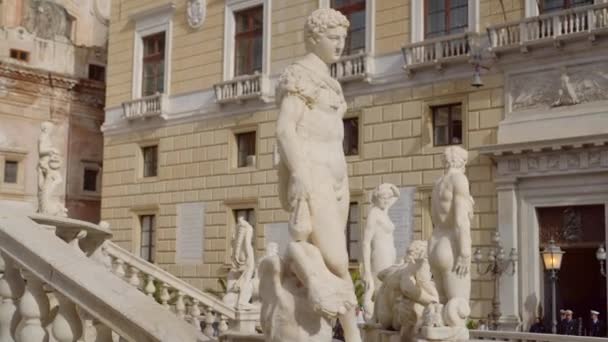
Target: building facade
{"x": 190, "y": 122}
{"x": 52, "y": 68}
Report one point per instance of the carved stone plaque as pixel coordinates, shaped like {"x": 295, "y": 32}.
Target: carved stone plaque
{"x": 565, "y": 86}
{"x": 196, "y": 11}
{"x": 190, "y": 233}
{"x": 278, "y": 233}
{"x": 402, "y": 215}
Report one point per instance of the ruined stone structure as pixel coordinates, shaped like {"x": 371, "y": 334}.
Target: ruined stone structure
{"x": 52, "y": 68}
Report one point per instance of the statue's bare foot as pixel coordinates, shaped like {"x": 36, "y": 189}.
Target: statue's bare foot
{"x": 332, "y": 297}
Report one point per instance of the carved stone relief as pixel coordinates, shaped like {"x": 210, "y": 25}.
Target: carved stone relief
{"x": 196, "y": 11}
{"x": 577, "y": 84}
{"x": 47, "y": 19}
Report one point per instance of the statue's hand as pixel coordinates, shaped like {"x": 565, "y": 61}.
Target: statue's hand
{"x": 463, "y": 263}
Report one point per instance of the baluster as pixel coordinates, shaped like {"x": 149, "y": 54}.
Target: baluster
{"x": 223, "y": 326}
{"x": 89, "y": 331}
{"x": 209, "y": 320}
{"x": 348, "y": 68}
{"x": 591, "y": 20}
{"x": 34, "y": 310}
{"x": 134, "y": 276}
{"x": 180, "y": 306}
{"x": 120, "y": 268}
{"x": 11, "y": 288}
{"x": 438, "y": 51}
{"x": 150, "y": 289}
{"x": 195, "y": 313}
{"x": 67, "y": 325}
{"x": 164, "y": 296}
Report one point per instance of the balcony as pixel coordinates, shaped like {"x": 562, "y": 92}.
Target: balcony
{"x": 350, "y": 68}
{"x": 579, "y": 23}
{"x": 145, "y": 107}
{"x": 437, "y": 52}
{"x": 242, "y": 88}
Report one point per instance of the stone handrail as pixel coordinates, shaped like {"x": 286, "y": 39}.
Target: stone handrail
{"x": 52, "y": 291}
{"x": 549, "y": 26}
{"x": 144, "y": 107}
{"x": 437, "y": 51}
{"x": 242, "y": 88}
{"x": 513, "y": 336}
{"x": 350, "y": 68}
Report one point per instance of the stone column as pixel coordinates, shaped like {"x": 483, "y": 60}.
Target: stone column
{"x": 508, "y": 229}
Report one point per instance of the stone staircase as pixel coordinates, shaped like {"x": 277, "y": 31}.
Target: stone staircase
{"x": 63, "y": 280}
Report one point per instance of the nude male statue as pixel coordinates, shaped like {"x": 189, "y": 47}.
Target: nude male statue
{"x": 313, "y": 183}
{"x": 450, "y": 244}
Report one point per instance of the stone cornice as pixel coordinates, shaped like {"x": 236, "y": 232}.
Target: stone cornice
{"x": 499, "y": 150}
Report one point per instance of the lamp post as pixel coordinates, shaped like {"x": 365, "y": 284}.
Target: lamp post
{"x": 600, "y": 255}
{"x": 552, "y": 259}
{"x": 498, "y": 264}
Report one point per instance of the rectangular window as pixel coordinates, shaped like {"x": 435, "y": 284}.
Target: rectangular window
{"x": 447, "y": 125}
{"x": 10, "y": 171}
{"x": 351, "y": 137}
{"x": 445, "y": 17}
{"x": 150, "y": 159}
{"x": 97, "y": 72}
{"x": 245, "y": 143}
{"x": 20, "y": 55}
{"x": 248, "y": 41}
{"x": 354, "y": 10}
{"x": 153, "y": 70}
{"x": 353, "y": 244}
{"x": 90, "y": 180}
{"x": 148, "y": 237}
{"x": 558, "y": 5}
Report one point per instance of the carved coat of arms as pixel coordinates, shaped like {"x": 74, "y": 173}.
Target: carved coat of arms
{"x": 196, "y": 10}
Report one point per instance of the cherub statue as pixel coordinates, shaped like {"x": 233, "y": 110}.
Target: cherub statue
{"x": 378, "y": 245}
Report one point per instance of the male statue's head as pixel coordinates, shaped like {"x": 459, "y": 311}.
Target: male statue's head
{"x": 455, "y": 157}
{"x": 325, "y": 31}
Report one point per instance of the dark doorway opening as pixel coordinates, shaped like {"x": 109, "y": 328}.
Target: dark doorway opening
{"x": 579, "y": 231}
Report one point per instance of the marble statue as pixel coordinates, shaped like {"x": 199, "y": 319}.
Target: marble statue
{"x": 405, "y": 291}
{"x": 311, "y": 285}
{"x": 240, "y": 285}
{"x": 49, "y": 173}
{"x": 450, "y": 248}
{"x": 378, "y": 246}
{"x": 196, "y": 11}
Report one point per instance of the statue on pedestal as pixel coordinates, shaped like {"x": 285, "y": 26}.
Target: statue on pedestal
{"x": 450, "y": 250}
{"x": 240, "y": 283}
{"x": 406, "y": 289}
{"x": 378, "y": 245}
{"x": 311, "y": 285}
{"x": 49, "y": 173}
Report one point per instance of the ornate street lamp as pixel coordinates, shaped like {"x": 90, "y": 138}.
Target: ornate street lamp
{"x": 552, "y": 258}
{"x": 498, "y": 264}
{"x": 600, "y": 255}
